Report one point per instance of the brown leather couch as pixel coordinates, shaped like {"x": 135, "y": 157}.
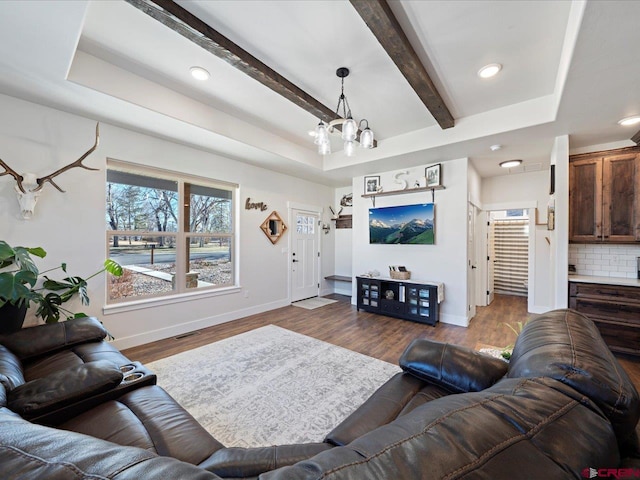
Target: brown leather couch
{"x": 562, "y": 405}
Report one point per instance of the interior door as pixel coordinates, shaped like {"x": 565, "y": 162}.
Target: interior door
{"x": 491, "y": 258}
{"x": 471, "y": 260}
{"x": 305, "y": 255}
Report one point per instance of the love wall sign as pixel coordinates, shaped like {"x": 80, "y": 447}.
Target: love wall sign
{"x": 249, "y": 205}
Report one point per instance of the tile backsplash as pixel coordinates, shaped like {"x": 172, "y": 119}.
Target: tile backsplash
{"x": 605, "y": 260}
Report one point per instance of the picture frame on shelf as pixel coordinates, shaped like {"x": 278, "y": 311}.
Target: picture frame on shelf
{"x": 433, "y": 175}
{"x": 371, "y": 184}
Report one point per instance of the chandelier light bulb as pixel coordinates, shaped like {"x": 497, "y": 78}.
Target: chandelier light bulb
{"x": 322, "y": 136}
{"x": 349, "y": 130}
{"x": 366, "y": 138}
{"x": 324, "y": 148}
{"x": 349, "y": 148}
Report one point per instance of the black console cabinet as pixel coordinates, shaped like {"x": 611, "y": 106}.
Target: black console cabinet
{"x": 398, "y": 298}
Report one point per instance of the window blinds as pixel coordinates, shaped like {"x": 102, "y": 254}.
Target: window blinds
{"x": 511, "y": 256}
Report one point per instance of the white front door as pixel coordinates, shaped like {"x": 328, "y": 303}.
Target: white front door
{"x": 305, "y": 253}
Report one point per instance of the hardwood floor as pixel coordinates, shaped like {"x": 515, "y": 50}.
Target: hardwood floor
{"x": 378, "y": 336}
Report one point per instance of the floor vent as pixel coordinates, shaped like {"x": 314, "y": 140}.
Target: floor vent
{"x": 185, "y": 335}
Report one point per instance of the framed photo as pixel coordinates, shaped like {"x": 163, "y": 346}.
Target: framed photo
{"x": 433, "y": 175}
{"x": 371, "y": 184}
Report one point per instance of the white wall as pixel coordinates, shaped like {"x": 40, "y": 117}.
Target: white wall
{"x": 343, "y": 244}
{"x": 71, "y": 225}
{"x": 443, "y": 262}
{"x": 526, "y": 190}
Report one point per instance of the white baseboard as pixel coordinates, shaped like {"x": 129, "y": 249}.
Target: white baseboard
{"x": 454, "y": 320}
{"x": 174, "y": 330}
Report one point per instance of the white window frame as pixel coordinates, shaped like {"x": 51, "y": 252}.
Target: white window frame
{"x": 181, "y": 293}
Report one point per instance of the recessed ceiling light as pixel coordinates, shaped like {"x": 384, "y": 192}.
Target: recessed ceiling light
{"x": 199, "y": 73}
{"x": 496, "y": 147}
{"x": 630, "y": 121}
{"x": 510, "y": 163}
{"x": 489, "y": 70}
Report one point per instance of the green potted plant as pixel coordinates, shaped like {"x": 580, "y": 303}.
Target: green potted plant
{"x": 20, "y": 286}
{"x": 506, "y": 351}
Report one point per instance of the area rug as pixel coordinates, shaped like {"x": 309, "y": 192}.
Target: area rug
{"x": 313, "y": 303}
{"x": 270, "y": 386}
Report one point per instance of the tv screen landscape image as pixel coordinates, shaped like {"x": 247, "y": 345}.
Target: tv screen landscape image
{"x": 406, "y": 224}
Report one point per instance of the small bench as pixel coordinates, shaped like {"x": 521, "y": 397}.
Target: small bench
{"x": 339, "y": 278}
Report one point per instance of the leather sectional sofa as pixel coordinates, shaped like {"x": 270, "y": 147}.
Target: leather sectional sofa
{"x": 72, "y": 406}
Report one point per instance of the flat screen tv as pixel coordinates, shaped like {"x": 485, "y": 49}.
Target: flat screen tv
{"x": 406, "y": 224}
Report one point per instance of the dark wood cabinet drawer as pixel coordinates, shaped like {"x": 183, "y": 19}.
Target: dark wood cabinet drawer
{"x": 391, "y": 306}
{"x": 620, "y": 338}
{"x": 614, "y": 309}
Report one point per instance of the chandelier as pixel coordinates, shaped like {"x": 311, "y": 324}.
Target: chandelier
{"x": 345, "y": 122}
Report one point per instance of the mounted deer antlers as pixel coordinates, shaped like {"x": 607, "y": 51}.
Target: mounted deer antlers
{"x": 78, "y": 163}
{"x": 29, "y": 196}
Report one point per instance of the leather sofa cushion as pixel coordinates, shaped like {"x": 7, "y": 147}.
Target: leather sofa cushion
{"x": 42, "y": 339}
{"x": 567, "y": 346}
{"x": 398, "y": 395}
{"x": 519, "y": 428}
{"x": 452, "y": 367}
{"x": 76, "y": 355}
{"x": 36, "y": 452}
{"x": 148, "y": 418}
{"x": 67, "y": 386}
{"x": 11, "y": 375}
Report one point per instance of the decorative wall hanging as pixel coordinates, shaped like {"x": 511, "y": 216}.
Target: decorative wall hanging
{"x": 249, "y": 205}
{"x": 434, "y": 175}
{"x": 273, "y": 227}
{"x": 28, "y": 186}
{"x": 372, "y": 184}
{"x": 347, "y": 200}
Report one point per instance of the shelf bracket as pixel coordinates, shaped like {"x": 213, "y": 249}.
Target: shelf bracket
{"x": 373, "y": 201}
{"x": 433, "y": 195}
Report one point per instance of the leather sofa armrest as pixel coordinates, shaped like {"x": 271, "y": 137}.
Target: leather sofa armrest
{"x": 236, "y": 462}
{"x": 63, "y": 387}
{"x": 452, "y": 367}
{"x": 41, "y": 339}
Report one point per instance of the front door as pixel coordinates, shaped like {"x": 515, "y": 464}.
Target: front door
{"x": 305, "y": 254}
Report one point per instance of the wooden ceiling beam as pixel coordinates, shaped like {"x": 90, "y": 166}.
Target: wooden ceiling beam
{"x": 386, "y": 28}
{"x": 636, "y": 138}
{"x": 192, "y": 28}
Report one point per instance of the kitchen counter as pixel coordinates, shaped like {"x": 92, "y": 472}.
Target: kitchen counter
{"x": 627, "y": 282}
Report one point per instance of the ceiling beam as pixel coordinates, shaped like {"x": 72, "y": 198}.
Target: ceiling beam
{"x": 386, "y": 28}
{"x": 191, "y": 27}
{"x": 636, "y": 138}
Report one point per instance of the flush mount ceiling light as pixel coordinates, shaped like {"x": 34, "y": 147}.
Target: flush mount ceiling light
{"x": 490, "y": 70}
{"x": 199, "y": 73}
{"x": 630, "y": 121}
{"x": 349, "y": 126}
{"x": 510, "y": 163}
{"x": 496, "y": 147}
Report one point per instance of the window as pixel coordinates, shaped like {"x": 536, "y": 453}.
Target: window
{"x": 171, "y": 233}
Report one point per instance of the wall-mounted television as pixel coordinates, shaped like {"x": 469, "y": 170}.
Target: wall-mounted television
{"x": 406, "y": 224}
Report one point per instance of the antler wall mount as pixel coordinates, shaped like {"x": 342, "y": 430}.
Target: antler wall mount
{"x": 29, "y": 185}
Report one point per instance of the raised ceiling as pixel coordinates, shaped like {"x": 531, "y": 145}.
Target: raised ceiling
{"x": 567, "y": 70}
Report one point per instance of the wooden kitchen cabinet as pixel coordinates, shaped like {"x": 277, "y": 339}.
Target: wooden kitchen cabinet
{"x": 604, "y": 196}
{"x": 615, "y": 310}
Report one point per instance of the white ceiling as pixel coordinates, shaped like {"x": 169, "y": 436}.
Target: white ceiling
{"x": 569, "y": 68}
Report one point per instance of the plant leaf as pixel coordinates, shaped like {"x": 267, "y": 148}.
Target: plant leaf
{"x": 6, "y": 253}
{"x": 23, "y": 260}
{"x": 12, "y": 286}
{"x": 37, "y": 251}
{"x": 48, "y": 309}
{"x": 113, "y": 267}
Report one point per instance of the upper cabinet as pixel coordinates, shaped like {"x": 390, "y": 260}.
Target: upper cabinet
{"x": 604, "y": 191}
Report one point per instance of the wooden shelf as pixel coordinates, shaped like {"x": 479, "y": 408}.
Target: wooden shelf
{"x": 373, "y": 196}
{"x": 406, "y": 190}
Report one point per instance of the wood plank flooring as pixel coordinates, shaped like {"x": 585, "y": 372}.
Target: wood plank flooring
{"x": 378, "y": 336}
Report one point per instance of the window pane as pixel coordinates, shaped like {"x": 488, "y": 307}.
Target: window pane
{"x": 209, "y": 209}
{"x": 209, "y": 262}
{"x": 148, "y": 264}
{"x": 140, "y": 203}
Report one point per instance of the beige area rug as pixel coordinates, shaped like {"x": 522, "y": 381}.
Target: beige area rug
{"x": 270, "y": 386}
{"x": 313, "y": 303}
